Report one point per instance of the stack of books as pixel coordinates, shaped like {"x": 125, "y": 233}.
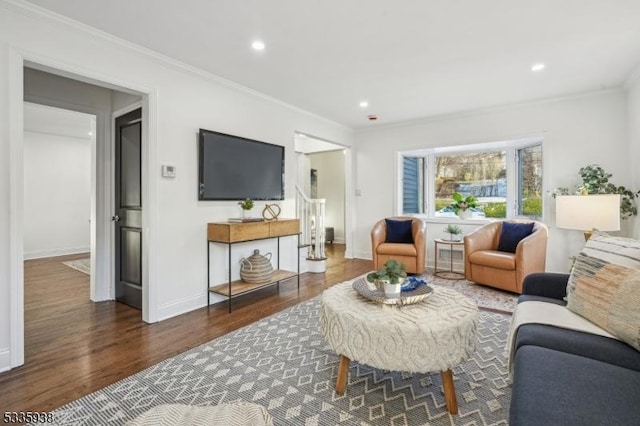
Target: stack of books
{"x": 245, "y": 219}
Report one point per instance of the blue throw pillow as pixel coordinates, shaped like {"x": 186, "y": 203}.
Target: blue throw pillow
{"x": 399, "y": 231}
{"x": 512, "y": 233}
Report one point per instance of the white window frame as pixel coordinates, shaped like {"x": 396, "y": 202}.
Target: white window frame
{"x": 429, "y": 154}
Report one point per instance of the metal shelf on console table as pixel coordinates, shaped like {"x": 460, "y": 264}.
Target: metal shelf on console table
{"x": 231, "y": 233}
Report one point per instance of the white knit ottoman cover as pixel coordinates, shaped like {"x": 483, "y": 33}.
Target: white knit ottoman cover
{"x": 233, "y": 414}
{"x": 434, "y": 335}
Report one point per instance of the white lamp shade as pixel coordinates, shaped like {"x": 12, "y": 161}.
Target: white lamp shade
{"x": 586, "y": 212}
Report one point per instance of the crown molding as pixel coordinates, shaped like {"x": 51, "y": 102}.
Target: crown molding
{"x": 488, "y": 110}
{"x": 33, "y": 11}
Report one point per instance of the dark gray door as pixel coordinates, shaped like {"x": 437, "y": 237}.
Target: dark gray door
{"x": 128, "y": 214}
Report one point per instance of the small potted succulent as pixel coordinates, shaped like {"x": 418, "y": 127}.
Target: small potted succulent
{"x": 245, "y": 205}
{"x": 453, "y": 231}
{"x": 390, "y": 277}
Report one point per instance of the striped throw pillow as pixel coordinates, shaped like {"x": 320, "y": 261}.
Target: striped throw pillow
{"x": 604, "y": 286}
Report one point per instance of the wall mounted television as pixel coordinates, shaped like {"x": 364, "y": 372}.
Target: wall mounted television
{"x": 235, "y": 168}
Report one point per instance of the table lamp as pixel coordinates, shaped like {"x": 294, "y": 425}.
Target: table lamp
{"x": 588, "y": 212}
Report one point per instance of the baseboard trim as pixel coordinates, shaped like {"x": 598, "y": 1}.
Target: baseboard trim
{"x": 189, "y": 304}
{"x": 39, "y": 254}
{"x": 5, "y": 360}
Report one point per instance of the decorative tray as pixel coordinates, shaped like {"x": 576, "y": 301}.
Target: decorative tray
{"x": 413, "y": 290}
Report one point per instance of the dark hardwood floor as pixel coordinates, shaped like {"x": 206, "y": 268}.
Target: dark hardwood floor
{"x": 74, "y": 346}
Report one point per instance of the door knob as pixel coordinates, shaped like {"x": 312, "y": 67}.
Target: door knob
{"x": 115, "y": 218}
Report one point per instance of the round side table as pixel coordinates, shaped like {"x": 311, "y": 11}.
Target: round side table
{"x": 448, "y": 274}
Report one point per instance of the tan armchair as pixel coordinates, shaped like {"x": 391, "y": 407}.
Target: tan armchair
{"x": 484, "y": 264}
{"x": 412, "y": 256}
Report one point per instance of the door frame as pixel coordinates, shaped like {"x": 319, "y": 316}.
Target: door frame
{"x": 102, "y": 227}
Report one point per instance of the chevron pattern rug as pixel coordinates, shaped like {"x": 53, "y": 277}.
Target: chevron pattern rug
{"x": 283, "y": 364}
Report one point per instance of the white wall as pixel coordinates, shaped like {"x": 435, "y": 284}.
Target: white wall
{"x": 57, "y": 195}
{"x": 330, "y": 167}
{"x": 577, "y": 131}
{"x": 634, "y": 140}
{"x": 186, "y": 100}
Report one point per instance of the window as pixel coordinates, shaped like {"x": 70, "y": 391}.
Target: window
{"x": 505, "y": 177}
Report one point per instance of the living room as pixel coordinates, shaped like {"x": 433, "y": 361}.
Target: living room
{"x": 585, "y": 106}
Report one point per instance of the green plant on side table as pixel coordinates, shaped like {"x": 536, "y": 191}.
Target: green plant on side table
{"x": 453, "y": 231}
{"x": 245, "y": 205}
{"x": 391, "y": 277}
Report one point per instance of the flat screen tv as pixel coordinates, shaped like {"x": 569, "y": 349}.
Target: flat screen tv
{"x": 235, "y": 168}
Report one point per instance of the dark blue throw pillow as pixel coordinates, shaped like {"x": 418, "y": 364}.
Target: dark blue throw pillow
{"x": 399, "y": 231}
{"x": 512, "y": 233}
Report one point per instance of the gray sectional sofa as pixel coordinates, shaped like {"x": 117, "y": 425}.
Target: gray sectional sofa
{"x": 566, "y": 377}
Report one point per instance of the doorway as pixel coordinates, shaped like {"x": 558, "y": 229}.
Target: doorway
{"x": 322, "y": 173}
{"x": 102, "y": 204}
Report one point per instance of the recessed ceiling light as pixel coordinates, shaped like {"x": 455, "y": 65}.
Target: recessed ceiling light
{"x": 537, "y": 67}
{"x": 364, "y": 104}
{"x": 258, "y": 45}
{"x": 90, "y": 133}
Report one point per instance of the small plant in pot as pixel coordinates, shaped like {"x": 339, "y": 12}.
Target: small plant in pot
{"x": 453, "y": 231}
{"x": 461, "y": 205}
{"x": 245, "y": 205}
{"x": 390, "y": 277}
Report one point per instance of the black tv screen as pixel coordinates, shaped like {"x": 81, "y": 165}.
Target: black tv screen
{"x": 235, "y": 168}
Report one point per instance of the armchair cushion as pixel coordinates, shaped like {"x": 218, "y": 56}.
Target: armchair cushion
{"x": 494, "y": 259}
{"x": 399, "y": 231}
{"x": 397, "y": 249}
{"x": 512, "y": 233}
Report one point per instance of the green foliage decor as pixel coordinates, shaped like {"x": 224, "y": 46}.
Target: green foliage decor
{"x": 246, "y": 204}
{"x": 462, "y": 203}
{"x": 393, "y": 272}
{"x": 596, "y": 181}
{"x": 453, "y": 229}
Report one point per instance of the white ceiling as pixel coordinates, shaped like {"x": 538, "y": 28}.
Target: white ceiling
{"x": 409, "y": 59}
{"x": 56, "y": 121}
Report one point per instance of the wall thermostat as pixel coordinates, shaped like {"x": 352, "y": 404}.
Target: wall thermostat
{"x": 168, "y": 171}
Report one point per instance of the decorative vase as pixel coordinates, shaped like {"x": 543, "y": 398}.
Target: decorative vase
{"x": 256, "y": 268}
{"x": 391, "y": 291}
{"x": 464, "y": 214}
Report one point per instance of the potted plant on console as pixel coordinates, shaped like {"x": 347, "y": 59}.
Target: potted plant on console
{"x": 246, "y": 205}
{"x": 391, "y": 277}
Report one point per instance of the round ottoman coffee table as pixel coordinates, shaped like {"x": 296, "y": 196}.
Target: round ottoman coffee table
{"x": 433, "y": 335}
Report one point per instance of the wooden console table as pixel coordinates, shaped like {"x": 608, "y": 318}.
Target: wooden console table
{"x": 232, "y": 233}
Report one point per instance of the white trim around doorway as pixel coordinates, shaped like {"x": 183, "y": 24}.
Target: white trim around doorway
{"x": 17, "y": 60}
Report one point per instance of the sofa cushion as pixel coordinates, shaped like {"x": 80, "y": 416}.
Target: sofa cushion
{"x": 494, "y": 259}
{"x": 604, "y": 286}
{"x": 589, "y": 345}
{"x": 512, "y": 233}
{"x": 399, "y": 231}
{"x": 557, "y": 388}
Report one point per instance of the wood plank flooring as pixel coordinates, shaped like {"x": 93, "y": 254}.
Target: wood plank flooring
{"x": 74, "y": 347}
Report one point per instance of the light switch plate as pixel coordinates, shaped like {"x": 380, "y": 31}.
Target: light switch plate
{"x": 168, "y": 171}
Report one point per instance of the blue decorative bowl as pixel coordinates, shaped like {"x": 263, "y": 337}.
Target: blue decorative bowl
{"x": 412, "y": 283}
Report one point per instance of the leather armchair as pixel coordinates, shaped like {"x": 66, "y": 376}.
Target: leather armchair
{"x": 484, "y": 264}
{"x": 412, "y": 256}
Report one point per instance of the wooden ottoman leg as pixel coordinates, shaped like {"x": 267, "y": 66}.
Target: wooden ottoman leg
{"x": 449, "y": 392}
{"x": 343, "y": 373}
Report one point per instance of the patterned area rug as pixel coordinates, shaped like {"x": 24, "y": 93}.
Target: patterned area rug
{"x": 82, "y": 265}
{"x": 283, "y": 363}
{"x": 485, "y": 297}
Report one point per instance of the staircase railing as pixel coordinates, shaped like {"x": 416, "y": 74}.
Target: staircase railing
{"x": 311, "y": 212}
